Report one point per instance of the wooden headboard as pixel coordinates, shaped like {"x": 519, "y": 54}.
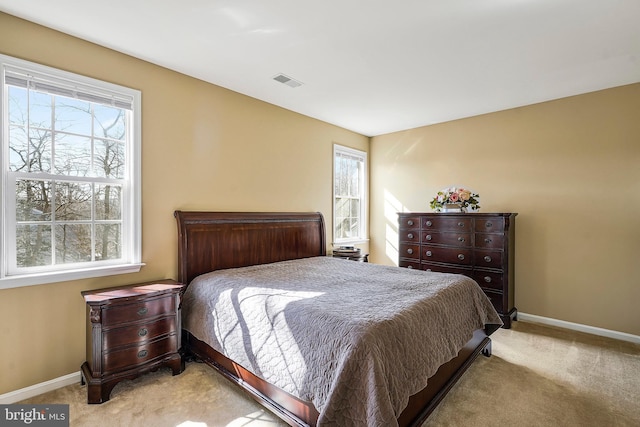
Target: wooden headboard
{"x": 210, "y": 241}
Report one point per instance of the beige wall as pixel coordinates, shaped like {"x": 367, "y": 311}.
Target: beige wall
{"x": 570, "y": 168}
{"x": 203, "y": 147}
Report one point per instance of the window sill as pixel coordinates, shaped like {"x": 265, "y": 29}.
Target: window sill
{"x": 64, "y": 276}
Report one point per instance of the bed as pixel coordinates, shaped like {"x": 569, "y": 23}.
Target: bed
{"x": 320, "y": 340}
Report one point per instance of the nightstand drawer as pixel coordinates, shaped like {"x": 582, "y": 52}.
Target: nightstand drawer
{"x": 138, "y": 311}
{"x": 139, "y": 333}
{"x": 130, "y": 357}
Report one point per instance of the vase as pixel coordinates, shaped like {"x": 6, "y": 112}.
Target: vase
{"x": 452, "y": 207}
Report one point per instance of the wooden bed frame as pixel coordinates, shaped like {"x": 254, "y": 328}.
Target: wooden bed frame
{"x": 210, "y": 241}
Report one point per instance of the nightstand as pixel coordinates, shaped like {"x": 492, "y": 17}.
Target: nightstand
{"x": 131, "y": 330}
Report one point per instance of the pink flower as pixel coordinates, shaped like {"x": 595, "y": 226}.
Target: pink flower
{"x": 453, "y": 197}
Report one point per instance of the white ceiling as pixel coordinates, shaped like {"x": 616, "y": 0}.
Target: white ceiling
{"x": 371, "y": 66}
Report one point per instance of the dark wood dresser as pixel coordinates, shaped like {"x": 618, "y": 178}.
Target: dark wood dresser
{"x": 131, "y": 330}
{"x": 478, "y": 245}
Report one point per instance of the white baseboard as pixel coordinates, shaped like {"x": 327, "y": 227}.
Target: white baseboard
{"x": 579, "y": 327}
{"x": 37, "y": 389}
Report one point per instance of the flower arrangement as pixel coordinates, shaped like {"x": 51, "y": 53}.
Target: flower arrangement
{"x": 466, "y": 199}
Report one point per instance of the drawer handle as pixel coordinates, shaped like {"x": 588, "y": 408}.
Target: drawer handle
{"x": 460, "y": 257}
{"x": 429, "y": 237}
{"x": 428, "y": 269}
{"x": 409, "y": 251}
{"x": 487, "y": 279}
{"x": 410, "y": 222}
{"x": 429, "y": 223}
{"x": 489, "y": 224}
{"x": 409, "y": 267}
{"x": 143, "y": 311}
{"x": 487, "y": 240}
{"x": 461, "y": 224}
{"x": 142, "y": 332}
{"x": 487, "y": 258}
{"x": 142, "y": 353}
{"x": 428, "y": 253}
{"x": 460, "y": 239}
{"x": 410, "y": 235}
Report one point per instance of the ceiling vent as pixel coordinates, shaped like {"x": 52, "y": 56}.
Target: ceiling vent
{"x": 287, "y": 80}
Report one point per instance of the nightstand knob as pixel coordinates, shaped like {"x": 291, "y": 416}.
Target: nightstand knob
{"x": 461, "y": 239}
{"x": 460, "y": 257}
{"x": 487, "y": 258}
{"x": 487, "y": 240}
{"x": 489, "y": 224}
{"x": 429, "y": 223}
{"x": 143, "y": 311}
{"x": 409, "y": 266}
{"x": 410, "y": 235}
{"x": 409, "y": 222}
{"x": 409, "y": 251}
{"x": 142, "y": 353}
{"x": 461, "y": 224}
{"x": 142, "y": 332}
{"x": 428, "y": 253}
{"x": 429, "y": 237}
{"x": 487, "y": 279}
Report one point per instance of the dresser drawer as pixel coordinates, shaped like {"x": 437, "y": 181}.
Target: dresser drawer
{"x": 496, "y": 299}
{"x": 489, "y": 241}
{"x": 409, "y": 222}
{"x": 489, "y": 259}
{"x": 138, "y": 333}
{"x": 138, "y": 311}
{"x": 446, "y": 268}
{"x": 489, "y": 279}
{"x": 411, "y": 251}
{"x": 410, "y": 235}
{"x": 442, "y": 223}
{"x": 451, "y": 239}
{"x": 129, "y": 357}
{"x": 490, "y": 225}
{"x": 410, "y": 264}
{"x": 461, "y": 256}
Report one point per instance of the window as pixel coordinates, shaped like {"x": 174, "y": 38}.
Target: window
{"x": 70, "y": 165}
{"x": 349, "y": 194}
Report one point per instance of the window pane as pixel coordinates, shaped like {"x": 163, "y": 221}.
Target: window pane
{"x": 33, "y": 245}
{"x": 39, "y": 150}
{"x": 73, "y": 116}
{"x": 18, "y": 149}
{"x": 73, "y": 243}
{"x": 108, "y": 202}
{"x": 33, "y": 200}
{"x": 73, "y": 155}
{"x": 109, "y": 159}
{"x": 18, "y": 105}
{"x": 108, "y": 241}
{"x": 355, "y": 208}
{"x": 109, "y": 122}
{"x": 40, "y": 105}
{"x": 73, "y": 201}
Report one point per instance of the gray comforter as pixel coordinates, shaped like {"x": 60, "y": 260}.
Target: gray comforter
{"x": 356, "y": 339}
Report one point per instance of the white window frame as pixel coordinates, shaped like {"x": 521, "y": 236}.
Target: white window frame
{"x": 130, "y": 261}
{"x": 362, "y": 232}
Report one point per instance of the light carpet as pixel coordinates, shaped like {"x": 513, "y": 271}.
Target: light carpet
{"x": 537, "y": 376}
